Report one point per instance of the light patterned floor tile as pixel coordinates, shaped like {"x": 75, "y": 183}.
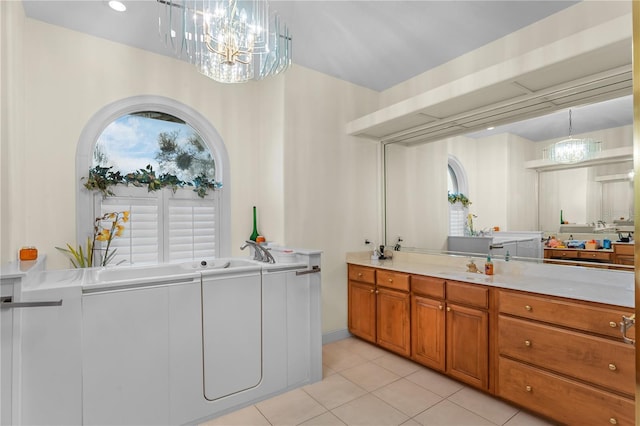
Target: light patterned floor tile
{"x": 291, "y": 408}
{"x": 334, "y": 391}
{"x": 367, "y": 350}
{"x": 369, "y": 410}
{"x": 369, "y": 376}
{"x": 435, "y": 382}
{"x": 398, "y": 365}
{"x": 326, "y": 371}
{"x": 326, "y": 419}
{"x": 243, "y": 417}
{"x": 446, "y": 413}
{"x": 407, "y": 397}
{"x": 410, "y": 422}
{"x": 526, "y": 419}
{"x": 484, "y": 405}
{"x": 339, "y": 359}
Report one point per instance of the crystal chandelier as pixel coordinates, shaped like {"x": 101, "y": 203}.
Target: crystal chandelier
{"x": 572, "y": 150}
{"x": 230, "y": 41}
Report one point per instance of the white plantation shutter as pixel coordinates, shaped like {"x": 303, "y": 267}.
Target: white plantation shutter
{"x": 457, "y": 218}
{"x": 163, "y": 226}
{"x": 192, "y": 230}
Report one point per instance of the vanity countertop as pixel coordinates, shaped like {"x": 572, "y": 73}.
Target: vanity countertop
{"x": 574, "y": 282}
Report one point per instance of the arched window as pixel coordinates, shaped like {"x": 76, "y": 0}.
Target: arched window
{"x": 457, "y": 184}
{"x": 153, "y": 136}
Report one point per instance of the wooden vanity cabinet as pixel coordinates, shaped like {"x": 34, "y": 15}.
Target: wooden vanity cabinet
{"x": 362, "y": 302}
{"x": 565, "y": 359}
{"x": 468, "y": 333}
{"x": 428, "y": 315}
{"x": 623, "y": 254}
{"x": 450, "y": 328}
{"x": 379, "y": 308}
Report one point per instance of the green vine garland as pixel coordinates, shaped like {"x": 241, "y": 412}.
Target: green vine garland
{"x": 458, "y": 198}
{"x": 103, "y": 179}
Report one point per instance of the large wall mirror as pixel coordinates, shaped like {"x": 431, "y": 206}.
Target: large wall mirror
{"x": 510, "y": 186}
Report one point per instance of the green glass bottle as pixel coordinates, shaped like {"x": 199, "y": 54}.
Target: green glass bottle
{"x": 255, "y": 233}
{"x": 561, "y": 219}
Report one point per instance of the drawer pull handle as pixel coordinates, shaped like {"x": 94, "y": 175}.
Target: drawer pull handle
{"x": 528, "y": 388}
{"x": 528, "y": 308}
{"x": 613, "y": 421}
{"x": 612, "y": 367}
{"x": 613, "y": 324}
{"x": 527, "y": 342}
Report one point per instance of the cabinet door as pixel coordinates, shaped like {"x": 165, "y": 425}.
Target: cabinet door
{"x": 428, "y": 332}
{"x": 362, "y": 310}
{"x": 393, "y": 321}
{"x": 125, "y": 357}
{"x": 468, "y": 345}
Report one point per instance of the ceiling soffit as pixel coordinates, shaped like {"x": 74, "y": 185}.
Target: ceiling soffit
{"x": 601, "y": 73}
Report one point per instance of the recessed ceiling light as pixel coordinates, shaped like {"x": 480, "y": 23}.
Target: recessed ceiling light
{"x": 490, "y": 128}
{"x": 116, "y": 5}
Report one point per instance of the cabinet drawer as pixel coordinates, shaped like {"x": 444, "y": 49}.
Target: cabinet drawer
{"x": 428, "y": 286}
{"x": 391, "y": 279}
{"x": 604, "y": 256}
{"x": 623, "y": 249}
{"x": 593, "y": 359}
{"x": 468, "y": 294}
{"x": 563, "y": 400}
{"x": 561, "y": 254}
{"x": 602, "y": 320}
{"x": 362, "y": 274}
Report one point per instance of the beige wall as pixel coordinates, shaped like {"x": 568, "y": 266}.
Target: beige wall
{"x": 313, "y": 185}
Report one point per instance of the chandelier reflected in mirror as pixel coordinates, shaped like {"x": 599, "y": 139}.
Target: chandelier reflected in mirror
{"x": 230, "y": 41}
{"x": 572, "y": 150}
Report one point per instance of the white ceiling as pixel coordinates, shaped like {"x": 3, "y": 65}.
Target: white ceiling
{"x": 372, "y": 43}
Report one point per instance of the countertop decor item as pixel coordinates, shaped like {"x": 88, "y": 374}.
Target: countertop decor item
{"x": 255, "y": 233}
{"x": 86, "y": 258}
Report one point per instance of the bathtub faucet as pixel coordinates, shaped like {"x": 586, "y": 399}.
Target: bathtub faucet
{"x": 260, "y": 253}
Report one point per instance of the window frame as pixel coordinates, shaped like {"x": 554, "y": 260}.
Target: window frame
{"x": 455, "y": 166}
{"x": 106, "y": 115}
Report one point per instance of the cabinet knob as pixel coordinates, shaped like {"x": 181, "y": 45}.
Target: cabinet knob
{"x": 390, "y": 280}
{"x": 613, "y": 421}
{"x": 528, "y": 308}
{"x": 612, "y": 367}
{"x": 371, "y": 291}
{"x": 377, "y": 292}
{"x": 448, "y": 309}
{"x": 359, "y": 274}
{"x": 440, "y": 307}
{"x": 527, "y": 342}
{"x": 528, "y": 388}
{"x": 613, "y": 324}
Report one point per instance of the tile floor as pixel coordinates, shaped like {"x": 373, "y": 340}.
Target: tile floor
{"x": 366, "y": 385}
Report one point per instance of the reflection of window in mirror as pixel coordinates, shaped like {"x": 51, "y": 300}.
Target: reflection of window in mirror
{"x": 457, "y": 183}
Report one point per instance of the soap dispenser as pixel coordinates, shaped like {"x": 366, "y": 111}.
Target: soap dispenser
{"x": 488, "y": 266}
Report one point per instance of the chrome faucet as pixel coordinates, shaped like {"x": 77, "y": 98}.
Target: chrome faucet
{"x": 260, "y": 253}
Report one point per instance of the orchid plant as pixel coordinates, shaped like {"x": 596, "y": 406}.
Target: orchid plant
{"x": 105, "y": 229}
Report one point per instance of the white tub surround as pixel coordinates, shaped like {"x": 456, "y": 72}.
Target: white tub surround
{"x": 171, "y": 344}
{"x": 12, "y": 276}
{"x": 574, "y": 282}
